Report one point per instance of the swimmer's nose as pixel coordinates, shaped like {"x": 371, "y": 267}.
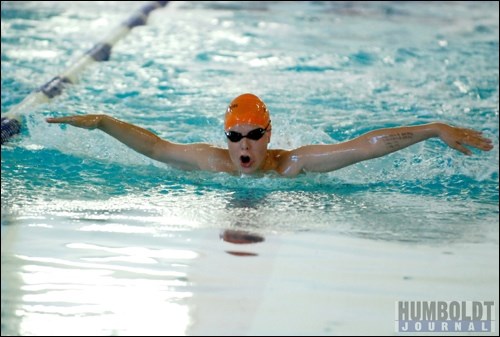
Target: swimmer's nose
{"x": 244, "y": 144}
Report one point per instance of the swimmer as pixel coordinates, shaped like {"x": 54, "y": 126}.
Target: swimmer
{"x": 248, "y": 129}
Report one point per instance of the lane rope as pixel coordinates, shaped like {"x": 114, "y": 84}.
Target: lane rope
{"x": 101, "y": 51}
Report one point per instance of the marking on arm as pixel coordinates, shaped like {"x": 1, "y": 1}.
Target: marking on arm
{"x": 393, "y": 141}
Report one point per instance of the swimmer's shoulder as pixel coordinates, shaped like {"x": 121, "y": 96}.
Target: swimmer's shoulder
{"x": 285, "y": 162}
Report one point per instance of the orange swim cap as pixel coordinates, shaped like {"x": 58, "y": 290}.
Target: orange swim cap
{"x": 246, "y": 109}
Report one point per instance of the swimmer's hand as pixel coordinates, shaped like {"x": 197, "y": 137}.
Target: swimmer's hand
{"x": 457, "y": 138}
{"x": 82, "y": 121}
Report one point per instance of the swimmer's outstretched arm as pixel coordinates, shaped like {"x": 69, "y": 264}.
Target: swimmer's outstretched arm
{"x": 186, "y": 156}
{"x": 377, "y": 143}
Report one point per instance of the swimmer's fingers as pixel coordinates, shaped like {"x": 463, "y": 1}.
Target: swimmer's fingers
{"x": 458, "y": 138}
{"x": 67, "y": 119}
{"x": 85, "y": 121}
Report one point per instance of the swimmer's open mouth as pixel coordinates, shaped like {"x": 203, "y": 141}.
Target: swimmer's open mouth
{"x": 245, "y": 159}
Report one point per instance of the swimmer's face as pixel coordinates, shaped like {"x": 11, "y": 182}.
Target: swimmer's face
{"x": 248, "y": 155}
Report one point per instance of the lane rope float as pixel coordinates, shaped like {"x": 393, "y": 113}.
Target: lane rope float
{"x": 101, "y": 51}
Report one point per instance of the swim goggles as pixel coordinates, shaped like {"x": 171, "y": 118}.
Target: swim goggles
{"x": 255, "y": 134}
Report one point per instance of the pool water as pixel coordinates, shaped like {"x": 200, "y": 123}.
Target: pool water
{"x": 97, "y": 239}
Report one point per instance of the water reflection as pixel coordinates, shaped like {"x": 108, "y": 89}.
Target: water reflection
{"x": 244, "y": 205}
{"x": 99, "y": 288}
{"x": 240, "y": 237}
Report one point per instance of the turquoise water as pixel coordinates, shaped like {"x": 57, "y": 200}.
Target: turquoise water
{"x": 97, "y": 239}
